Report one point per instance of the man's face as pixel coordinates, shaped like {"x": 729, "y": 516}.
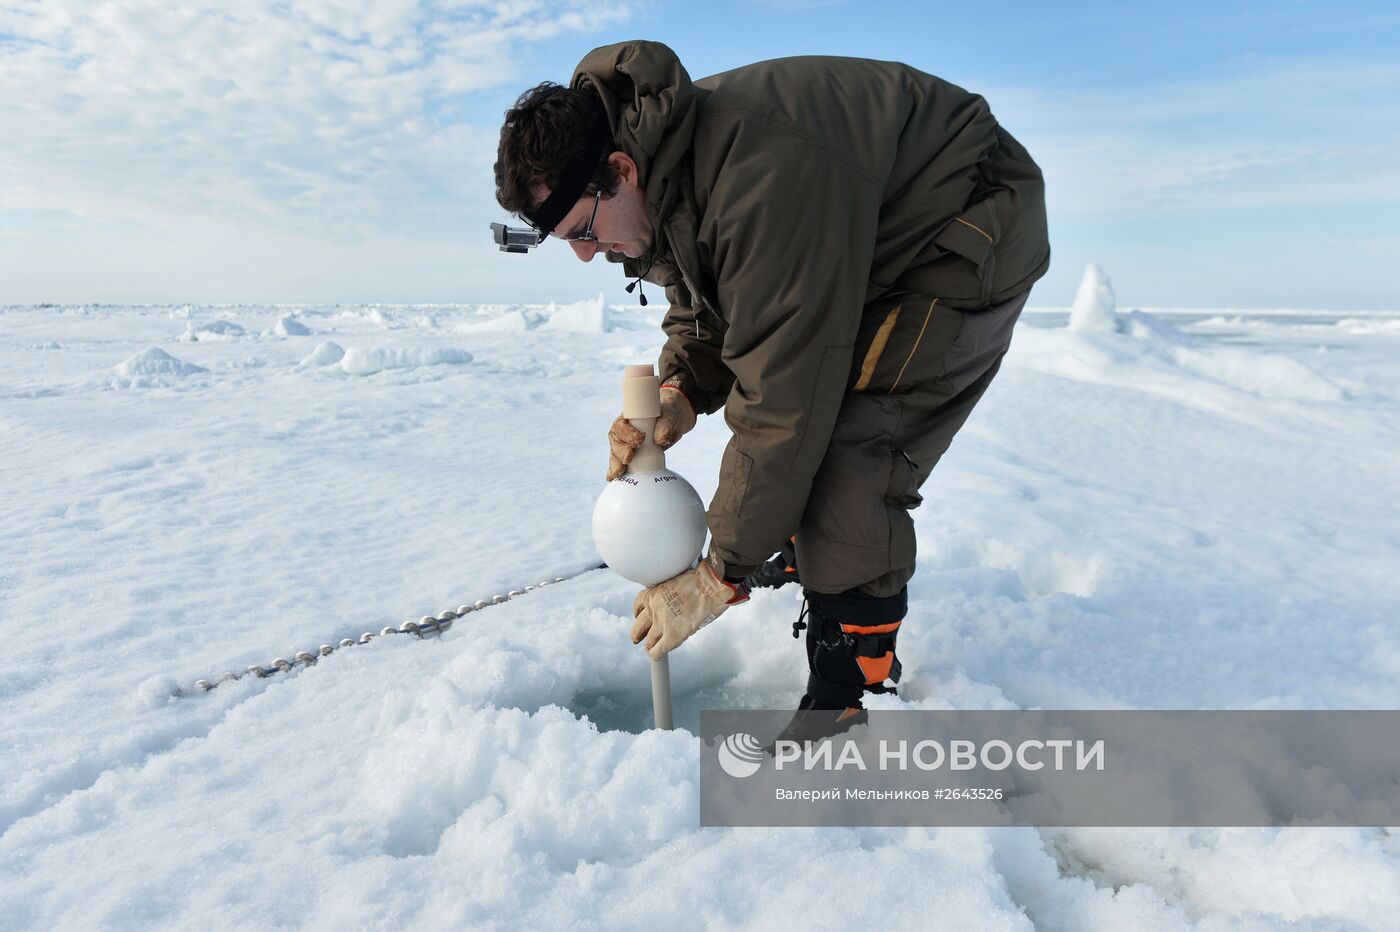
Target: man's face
{"x": 621, "y": 223}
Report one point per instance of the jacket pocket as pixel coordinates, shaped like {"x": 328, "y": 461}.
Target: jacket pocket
{"x": 973, "y": 236}
{"x": 901, "y": 345}
{"x": 982, "y": 340}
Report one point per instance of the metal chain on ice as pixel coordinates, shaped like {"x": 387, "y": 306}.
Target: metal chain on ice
{"x": 427, "y": 626}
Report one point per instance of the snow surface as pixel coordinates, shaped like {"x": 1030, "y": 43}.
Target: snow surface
{"x": 1197, "y": 512}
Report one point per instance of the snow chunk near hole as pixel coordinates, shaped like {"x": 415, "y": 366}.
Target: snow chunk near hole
{"x": 156, "y": 691}
{"x": 376, "y": 359}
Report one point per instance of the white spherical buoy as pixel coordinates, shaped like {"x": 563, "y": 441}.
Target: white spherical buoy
{"x": 649, "y": 523}
{"x": 649, "y": 526}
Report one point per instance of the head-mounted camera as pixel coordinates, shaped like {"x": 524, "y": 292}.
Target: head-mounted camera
{"x": 516, "y": 239}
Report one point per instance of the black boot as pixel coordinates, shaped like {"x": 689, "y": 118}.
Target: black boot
{"x": 850, "y": 652}
{"x": 813, "y": 723}
{"x": 850, "y": 645}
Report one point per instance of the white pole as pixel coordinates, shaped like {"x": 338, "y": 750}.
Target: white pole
{"x": 661, "y": 692}
{"x": 641, "y": 405}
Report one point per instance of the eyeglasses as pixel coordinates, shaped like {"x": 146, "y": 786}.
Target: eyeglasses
{"x": 587, "y": 235}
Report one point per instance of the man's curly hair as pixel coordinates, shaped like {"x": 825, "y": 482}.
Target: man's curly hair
{"x": 548, "y": 126}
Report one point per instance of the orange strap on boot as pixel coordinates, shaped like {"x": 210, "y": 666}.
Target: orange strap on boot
{"x": 876, "y": 667}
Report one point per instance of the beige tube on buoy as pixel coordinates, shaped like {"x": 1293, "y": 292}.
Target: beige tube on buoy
{"x": 641, "y": 405}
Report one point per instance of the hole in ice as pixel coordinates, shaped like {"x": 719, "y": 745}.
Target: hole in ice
{"x": 629, "y": 708}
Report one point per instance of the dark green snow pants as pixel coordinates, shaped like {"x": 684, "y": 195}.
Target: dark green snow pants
{"x": 919, "y": 370}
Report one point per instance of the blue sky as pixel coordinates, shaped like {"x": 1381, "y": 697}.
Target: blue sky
{"x": 1215, "y": 155}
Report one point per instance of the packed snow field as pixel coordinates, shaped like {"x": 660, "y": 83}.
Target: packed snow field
{"x": 1185, "y": 510}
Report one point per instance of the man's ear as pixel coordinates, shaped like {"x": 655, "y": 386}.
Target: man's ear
{"x": 626, "y": 168}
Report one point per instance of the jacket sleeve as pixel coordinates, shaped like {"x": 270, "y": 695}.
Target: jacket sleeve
{"x": 792, "y": 228}
{"x": 692, "y": 353}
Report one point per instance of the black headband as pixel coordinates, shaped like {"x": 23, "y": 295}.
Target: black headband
{"x": 572, "y": 183}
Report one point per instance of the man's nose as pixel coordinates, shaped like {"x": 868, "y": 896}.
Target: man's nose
{"x": 585, "y": 251}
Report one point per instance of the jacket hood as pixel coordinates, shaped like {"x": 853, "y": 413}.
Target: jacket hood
{"x": 650, "y": 103}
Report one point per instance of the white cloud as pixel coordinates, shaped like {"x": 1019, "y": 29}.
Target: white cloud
{"x": 1313, "y": 135}
{"x": 319, "y": 118}
{"x": 274, "y": 151}
{"x": 1270, "y": 188}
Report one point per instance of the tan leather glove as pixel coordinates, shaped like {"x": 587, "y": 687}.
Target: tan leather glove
{"x": 677, "y": 418}
{"x": 672, "y": 611}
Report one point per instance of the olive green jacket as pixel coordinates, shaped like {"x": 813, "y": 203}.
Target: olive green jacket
{"x": 787, "y": 196}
